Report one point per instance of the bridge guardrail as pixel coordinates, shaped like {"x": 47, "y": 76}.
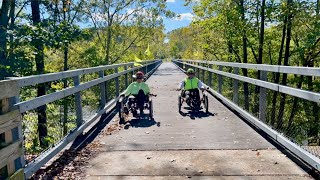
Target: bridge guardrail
{"x": 309, "y": 154}
{"x": 11, "y": 133}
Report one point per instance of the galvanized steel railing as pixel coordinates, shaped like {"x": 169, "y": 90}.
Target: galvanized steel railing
{"x": 229, "y": 93}
{"x": 11, "y": 105}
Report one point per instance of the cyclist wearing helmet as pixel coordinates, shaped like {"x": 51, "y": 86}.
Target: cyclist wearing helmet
{"x": 139, "y": 89}
{"x": 191, "y": 83}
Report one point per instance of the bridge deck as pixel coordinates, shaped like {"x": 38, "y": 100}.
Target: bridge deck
{"x": 175, "y": 146}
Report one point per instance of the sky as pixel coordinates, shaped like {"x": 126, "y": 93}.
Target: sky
{"x": 185, "y": 12}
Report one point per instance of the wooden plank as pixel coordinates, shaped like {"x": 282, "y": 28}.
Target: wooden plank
{"x": 9, "y": 121}
{"x": 9, "y": 88}
{"x": 19, "y": 175}
{"x": 11, "y": 167}
{"x": 10, "y": 153}
{"x": 5, "y": 105}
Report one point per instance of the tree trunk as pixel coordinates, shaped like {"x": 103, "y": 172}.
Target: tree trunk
{"x": 11, "y": 27}
{"x": 245, "y": 58}
{"x": 108, "y": 45}
{"x": 285, "y": 63}
{"x": 65, "y": 85}
{"x": 294, "y": 106}
{"x": 39, "y": 57}
{"x": 317, "y": 8}
{"x": 260, "y": 53}
{"x": 261, "y": 36}
{"x": 3, "y": 37}
{"x": 65, "y": 68}
{"x": 277, "y": 78}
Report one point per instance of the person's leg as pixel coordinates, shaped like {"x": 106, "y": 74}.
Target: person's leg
{"x": 131, "y": 102}
{"x": 141, "y": 99}
{"x": 197, "y": 94}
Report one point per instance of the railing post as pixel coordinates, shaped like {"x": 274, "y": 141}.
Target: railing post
{"x": 78, "y": 102}
{"x": 198, "y": 70}
{"x": 126, "y": 76}
{"x": 102, "y": 90}
{"x": 235, "y": 97}
{"x": 220, "y": 82}
{"x": 132, "y": 73}
{"x": 146, "y": 69}
{"x": 203, "y": 65}
{"x": 210, "y": 76}
{"x": 263, "y": 98}
{"x": 117, "y": 83}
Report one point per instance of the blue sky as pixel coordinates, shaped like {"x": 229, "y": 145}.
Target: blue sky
{"x": 185, "y": 12}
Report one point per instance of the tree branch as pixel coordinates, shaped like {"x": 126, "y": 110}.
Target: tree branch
{"x": 253, "y": 51}
{"x": 235, "y": 52}
{"x": 131, "y": 43}
{"x": 97, "y": 30}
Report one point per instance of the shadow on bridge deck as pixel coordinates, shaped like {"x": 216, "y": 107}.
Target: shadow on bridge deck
{"x": 199, "y": 146}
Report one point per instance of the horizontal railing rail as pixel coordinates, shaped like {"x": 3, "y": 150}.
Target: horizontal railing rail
{"x": 308, "y": 95}
{"x": 260, "y": 122}
{"x": 306, "y": 71}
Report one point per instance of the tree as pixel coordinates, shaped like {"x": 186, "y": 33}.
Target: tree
{"x": 107, "y": 16}
{"x": 39, "y": 58}
{"x": 4, "y": 19}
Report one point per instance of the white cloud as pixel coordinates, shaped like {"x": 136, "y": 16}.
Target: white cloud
{"x": 184, "y": 16}
{"x": 171, "y": 1}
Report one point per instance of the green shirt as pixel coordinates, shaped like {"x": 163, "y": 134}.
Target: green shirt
{"x": 134, "y": 88}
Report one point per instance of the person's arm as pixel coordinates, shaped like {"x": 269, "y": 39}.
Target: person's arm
{"x": 146, "y": 89}
{"x": 181, "y": 85}
{"x": 200, "y": 85}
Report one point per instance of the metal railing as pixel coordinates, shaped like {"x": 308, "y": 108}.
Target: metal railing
{"x": 255, "y": 105}
{"x": 10, "y": 90}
